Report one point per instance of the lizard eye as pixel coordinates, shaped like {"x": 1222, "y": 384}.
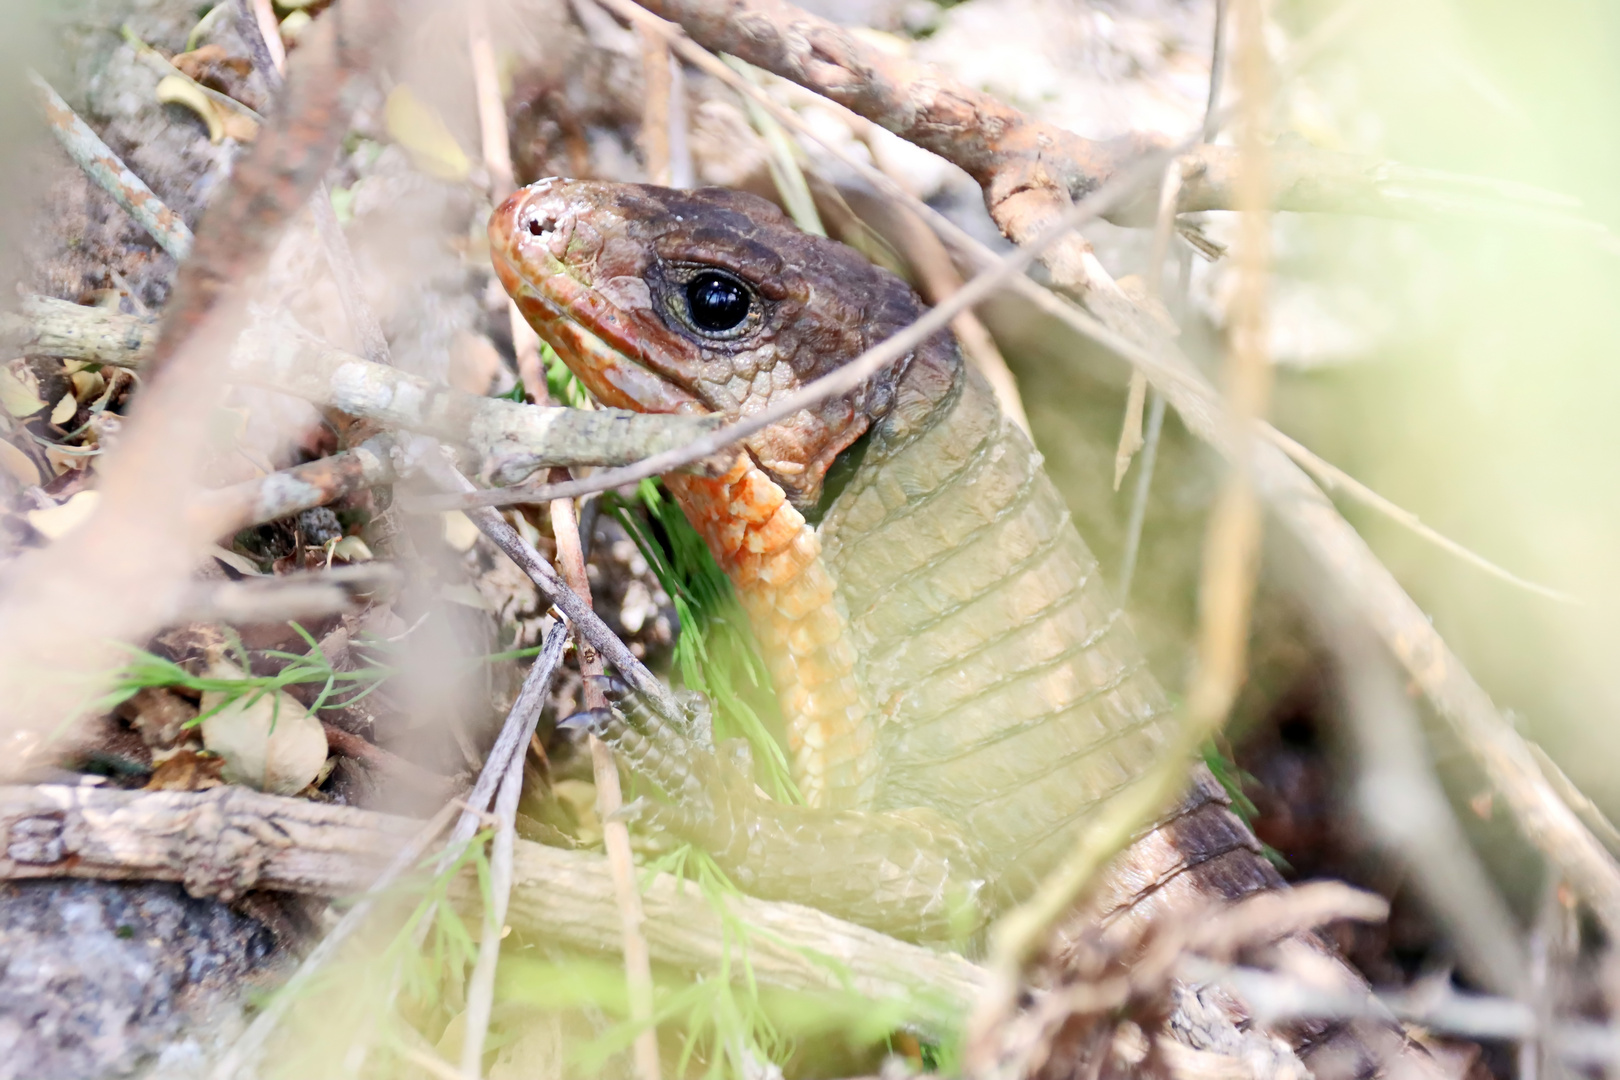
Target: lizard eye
{"x": 717, "y": 301}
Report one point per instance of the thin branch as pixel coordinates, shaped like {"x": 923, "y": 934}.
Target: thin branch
{"x": 510, "y": 744}
{"x": 1332, "y": 542}
{"x": 589, "y": 624}
{"x": 222, "y": 842}
{"x": 257, "y": 38}
{"x": 111, "y": 174}
{"x": 1139, "y": 497}
{"x": 1275, "y": 998}
{"x": 1026, "y": 166}
{"x": 300, "y": 488}
{"x": 481, "y": 983}
{"x": 1399, "y": 795}
{"x": 1232, "y": 542}
{"x": 1335, "y": 479}
{"x": 565, "y": 897}
{"x": 513, "y": 440}
{"x": 283, "y": 597}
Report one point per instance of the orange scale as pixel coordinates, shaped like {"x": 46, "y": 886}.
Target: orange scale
{"x": 780, "y": 531}
{"x": 820, "y": 627}
{"x": 756, "y": 497}
{"x": 783, "y": 566}
{"x": 800, "y": 597}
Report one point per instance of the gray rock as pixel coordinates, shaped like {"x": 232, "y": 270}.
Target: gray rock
{"x": 103, "y": 979}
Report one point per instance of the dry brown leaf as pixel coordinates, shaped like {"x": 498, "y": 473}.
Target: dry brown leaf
{"x": 19, "y": 390}
{"x": 174, "y": 90}
{"x": 19, "y": 464}
{"x": 187, "y": 770}
{"x": 64, "y": 410}
{"x": 459, "y": 531}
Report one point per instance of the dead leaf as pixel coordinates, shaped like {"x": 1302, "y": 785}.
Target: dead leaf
{"x": 19, "y": 390}
{"x": 159, "y": 716}
{"x": 174, "y": 90}
{"x": 459, "y": 531}
{"x": 87, "y": 385}
{"x": 204, "y": 62}
{"x": 350, "y": 549}
{"x": 236, "y": 561}
{"x": 269, "y": 742}
{"x": 18, "y": 464}
{"x": 64, "y": 410}
{"x": 187, "y": 770}
{"x": 57, "y": 521}
{"x": 417, "y": 127}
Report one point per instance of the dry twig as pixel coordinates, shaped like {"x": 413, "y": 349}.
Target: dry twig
{"x": 111, "y": 174}
{"x": 562, "y": 896}
{"x": 512, "y": 439}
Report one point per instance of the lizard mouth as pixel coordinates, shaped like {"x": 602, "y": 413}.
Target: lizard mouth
{"x": 531, "y": 236}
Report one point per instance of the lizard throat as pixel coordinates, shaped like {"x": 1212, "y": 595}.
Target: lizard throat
{"x": 774, "y": 560}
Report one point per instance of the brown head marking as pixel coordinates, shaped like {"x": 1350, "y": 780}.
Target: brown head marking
{"x": 708, "y": 300}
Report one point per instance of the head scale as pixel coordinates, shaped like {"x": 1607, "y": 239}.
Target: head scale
{"x": 708, "y": 300}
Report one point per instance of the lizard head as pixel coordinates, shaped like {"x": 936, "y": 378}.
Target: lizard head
{"x": 702, "y": 301}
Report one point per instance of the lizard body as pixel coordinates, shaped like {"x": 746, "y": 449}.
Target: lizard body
{"x": 960, "y": 690}
{"x": 946, "y": 654}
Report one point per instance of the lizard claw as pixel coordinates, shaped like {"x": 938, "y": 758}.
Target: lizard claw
{"x": 595, "y": 721}
{"x": 634, "y": 812}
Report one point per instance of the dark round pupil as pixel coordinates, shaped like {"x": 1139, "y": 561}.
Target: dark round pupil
{"x": 719, "y": 302}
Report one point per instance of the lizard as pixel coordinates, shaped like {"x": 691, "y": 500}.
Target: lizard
{"x": 960, "y": 691}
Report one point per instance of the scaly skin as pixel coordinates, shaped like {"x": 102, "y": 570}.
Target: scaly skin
{"x": 958, "y": 687}
{"x": 960, "y": 692}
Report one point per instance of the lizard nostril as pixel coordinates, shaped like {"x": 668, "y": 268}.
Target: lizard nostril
{"x": 540, "y": 224}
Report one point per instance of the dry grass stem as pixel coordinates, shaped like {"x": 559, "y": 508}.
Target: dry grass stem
{"x": 937, "y": 278}
{"x": 609, "y": 801}
{"x": 481, "y": 981}
{"x": 655, "y": 107}
{"x": 1334, "y": 479}
{"x": 497, "y": 153}
{"x": 1232, "y": 542}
